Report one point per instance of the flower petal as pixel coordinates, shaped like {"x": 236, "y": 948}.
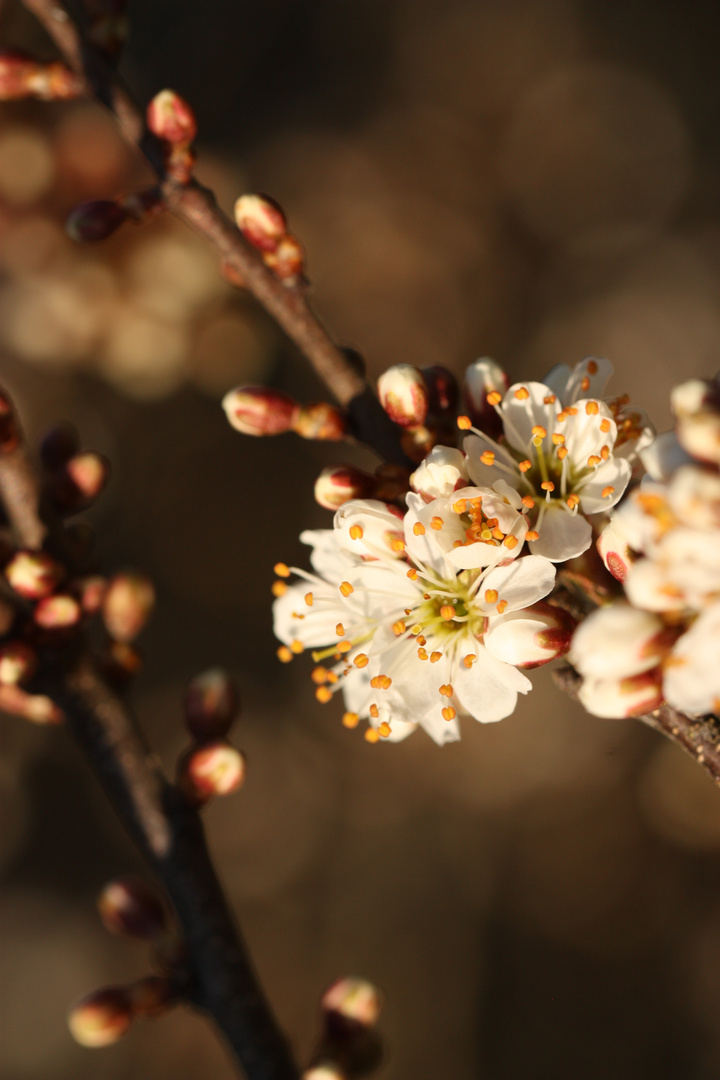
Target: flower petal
{"x": 563, "y": 535}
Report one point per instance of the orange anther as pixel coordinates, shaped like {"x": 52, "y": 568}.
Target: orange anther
{"x": 297, "y": 647}
{"x": 592, "y": 408}
{"x": 419, "y": 528}
{"x": 562, "y": 452}
{"x": 398, "y": 545}
{"x": 470, "y": 659}
{"x": 279, "y": 588}
{"x": 384, "y": 730}
{"x": 281, "y": 569}
{"x": 585, "y": 384}
{"x": 527, "y": 500}
{"x": 309, "y": 599}
{"x": 549, "y": 400}
{"x": 608, "y": 491}
{"x": 340, "y": 630}
{"x": 558, "y": 438}
{"x": 422, "y": 654}
{"x": 323, "y": 694}
{"x": 374, "y": 711}
{"x": 464, "y": 422}
{"x": 491, "y": 596}
{"x": 605, "y": 453}
{"x": 412, "y": 574}
{"x": 371, "y": 734}
{"x": 487, "y": 457}
{"x": 346, "y": 588}
{"x": 502, "y": 606}
{"x": 531, "y": 535}
{"x": 356, "y": 532}
{"x": 593, "y": 460}
{"x": 538, "y": 430}
{"x": 522, "y": 393}
{"x": 494, "y": 398}
{"x": 510, "y": 542}
{"x": 547, "y": 485}
{"x": 605, "y": 425}
{"x": 448, "y": 612}
{"x": 437, "y": 523}
{"x": 399, "y": 628}
{"x": 319, "y": 675}
{"x": 592, "y": 367}
{"x": 460, "y": 506}
{"x": 573, "y": 501}
{"x": 525, "y": 465}
{"x": 448, "y": 713}
{"x": 284, "y": 654}
{"x": 350, "y": 719}
{"x": 344, "y": 646}
{"x": 361, "y": 660}
{"x": 435, "y": 656}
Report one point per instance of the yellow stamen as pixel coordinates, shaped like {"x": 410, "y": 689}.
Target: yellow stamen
{"x": 356, "y": 532}
{"x": 502, "y": 607}
{"x": 435, "y": 656}
{"x": 284, "y": 654}
{"x": 346, "y": 588}
{"x": 494, "y": 398}
{"x": 469, "y": 660}
{"x": 525, "y": 465}
{"x": 608, "y": 491}
{"x": 384, "y": 730}
{"x": 592, "y": 408}
{"x": 279, "y": 588}
{"x": 448, "y": 612}
{"x": 350, "y": 719}
{"x": 448, "y": 713}
{"x": 281, "y": 569}
{"x": 437, "y": 523}
{"x": 297, "y": 647}
{"x": 323, "y": 694}
{"x": 464, "y": 422}
{"x": 309, "y": 599}
{"x": 419, "y": 528}
{"x": 522, "y": 393}
{"x": 547, "y": 485}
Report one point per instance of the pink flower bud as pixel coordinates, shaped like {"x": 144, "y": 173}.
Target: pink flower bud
{"x": 34, "y": 707}
{"x": 128, "y": 906}
{"x": 403, "y": 395}
{"x": 33, "y": 574}
{"x": 16, "y": 70}
{"x": 287, "y": 260}
{"x": 351, "y": 1003}
{"x": 95, "y": 220}
{"x": 58, "y": 612}
{"x": 614, "y": 548}
{"x": 17, "y": 663}
{"x": 85, "y": 475}
{"x": 482, "y": 379}
{"x": 151, "y": 996}
{"x": 127, "y": 605}
{"x": 321, "y": 421}
{"x": 101, "y": 1018}
{"x": 23, "y": 77}
{"x": 258, "y": 410}
{"x": 261, "y": 221}
{"x": 215, "y": 768}
{"x": 211, "y": 704}
{"x": 90, "y": 592}
{"x": 337, "y": 484}
{"x": 171, "y": 119}
{"x": 442, "y": 389}
{"x": 613, "y": 699}
{"x": 618, "y": 641}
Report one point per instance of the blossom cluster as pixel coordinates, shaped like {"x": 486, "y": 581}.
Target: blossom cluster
{"x": 662, "y": 642}
{"x": 429, "y": 600}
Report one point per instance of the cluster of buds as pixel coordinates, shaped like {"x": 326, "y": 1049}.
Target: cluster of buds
{"x": 21, "y": 76}
{"x": 337, "y": 484}
{"x": 263, "y": 224}
{"x": 348, "y": 1044}
{"x": 171, "y": 120}
{"x": 259, "y": 410}
{"x": 211, "y": 766}
{"x": 661, "y": 642}
{"x": 130, "y": 908}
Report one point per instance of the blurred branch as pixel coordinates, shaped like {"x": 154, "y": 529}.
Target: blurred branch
{"x": 698, "y": 736}
{"x": 196, "y": 206}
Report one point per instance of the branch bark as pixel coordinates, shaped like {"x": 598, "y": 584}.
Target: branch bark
{"x": 196, "y": 206}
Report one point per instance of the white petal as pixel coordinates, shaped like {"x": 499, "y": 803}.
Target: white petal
{"x": 692, "y": 677}
{"x": 664, "y": 456}
{"x": 430, "y": 547}
{"x": 522, "y": 414}
{"x": 486, "y": 475}
{"x": 614, "y": 474}
{"x": 615, "y": 699}
{"x": 375, "y": 526}
{"x": 317, "y": 625}
{"x": 528, "y": 638}
{"x": 520, "y": 584}
{"x": 327, "y": 558}
{"x": 618, "y": 641}
{"x": 597, "y": 370}
{"x": 563, "y": 535}
{"x": 440, "y": 472}
{"x": 583, "y": 431}
{"x": 488, "y": 689}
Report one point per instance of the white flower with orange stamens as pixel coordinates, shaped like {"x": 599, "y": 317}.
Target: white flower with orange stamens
{"x": 407, "y": 611}
{"x": 569, "y": 457}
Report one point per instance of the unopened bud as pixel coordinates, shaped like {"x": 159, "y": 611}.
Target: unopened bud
{"x": 403, "y": 395}
{"x": 320, "y": 421}
{"x": 532, "y": 636}
{"x": 95, "y": 220}
{"x": 696, "y": 405}
{"x": 619, "y": 640}
{"x": 261, "y": 221}
{"x": 9, "y": 427}
{"x": 23, "y": 77}
{"x": 17, "y": 663}
{"x": 215, "y": 768}
{"x": 90, "y": 592}
{"x": 59, "y": 444}
{"x": 484, "y": 377}
{"x": 127, "y": 605}
{"x": 151, "y": 996}
{"x": 442, "y": 389}
{"x": 616, "y": 699}
{"x": 337, "y": 484}
{"x": 613, "y": 545}
{"x": 85, "y": 476}
{"x": 351, "y": 1004}
{"x": 58, "y": 612}
{"x": 33, "y": 574}
{"x": 171, "y": 119}
{"x": 287, "y": 260}
{"x": 130, "y": 907}
{"x": 258, "y": 410}
{"x": 211, "y": 704}
{"x": 34, "y": 707}
{"x": 101, "y": 1018}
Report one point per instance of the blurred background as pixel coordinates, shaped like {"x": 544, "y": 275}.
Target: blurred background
{"x": 531, "y": 179}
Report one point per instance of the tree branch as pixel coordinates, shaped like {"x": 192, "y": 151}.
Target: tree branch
{"x": 698, "y": 736}
{"x": 196, "y": 206}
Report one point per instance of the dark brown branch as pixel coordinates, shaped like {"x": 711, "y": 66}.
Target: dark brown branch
{"x": 699, "y": 736}
{"x": 221, "y": 978}
{"x": 196, "y": 206}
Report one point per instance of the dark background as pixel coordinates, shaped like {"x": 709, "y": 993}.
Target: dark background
{"x": 531, "y": 180}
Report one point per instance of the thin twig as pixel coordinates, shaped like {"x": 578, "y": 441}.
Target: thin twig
{"x": 197, "y": 207}
{"x": 698, "y": 736}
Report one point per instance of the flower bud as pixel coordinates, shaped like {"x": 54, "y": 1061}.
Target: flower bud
{"x": 614, "y": 548}
{"x": 532, "y": 636}
{"x": 618, "y": 641}
{"x": 151, "y": 996}
{"x": 482, "y": 378}
{"x": 616, "y": 699}
{"x": 129, "y": 907}
{"x": 351, "y": 1004}
{"x": 90, "y": 592}
{"x": 101, "y": 1018}
{"x": 59, "y": 444}
{"x": 403, "y": 395}
{"x": 215, "y": 768}
{"x": 127, "y": 604}
{"x": 442, "y": 388}
{"x": 34, "y": 707}
{"x": 258, "y": 410}
{"x": 33, "y": 574}
{"x": 95, "y": 220}
{"x": 9, "y": 427}
{"x": 211, "y": 704}
{"x": 696, "y": 405}
{"x": 261, "y": 221}
{"x": 287, "y": 260}
{"x": 17, "y": 663}
{"x": 82, "y": 480}
{"x": 58, "y": 612}
{"x": 171, "y": 119}
{"x": 23, "y": 77}
{"x": 320, "y": 421}
{"x": 440, "y": 473}
{"x": 337, "y": 484}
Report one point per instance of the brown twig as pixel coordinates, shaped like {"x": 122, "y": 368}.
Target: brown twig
{"x": 197, "y": 207}
{"x": 698, "y": 736}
